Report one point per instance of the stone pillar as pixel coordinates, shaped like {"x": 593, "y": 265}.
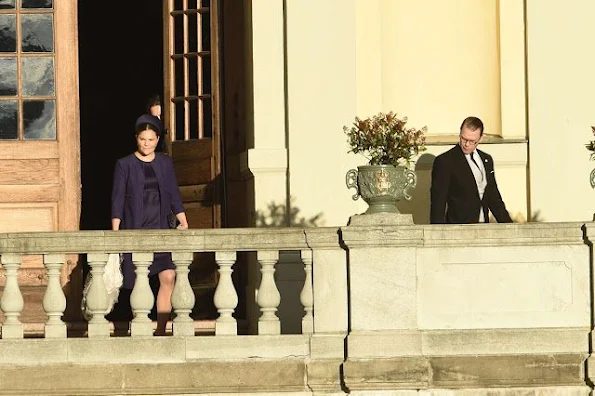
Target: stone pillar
{"x": 267, "y": 159}
{"x": 97, "y": 299}
{"x": 382, "y": 269}
{"x": 182, "y": 298}
{"x": 141, "y": 299}
{"x": 12, "y": 302}
{"x": 268, "y": 297}
{"x": 330, "y": 314}
{"x": 226, "y": 298}
{"x": 54, "y": 300}
{"x": 307, "y": 296}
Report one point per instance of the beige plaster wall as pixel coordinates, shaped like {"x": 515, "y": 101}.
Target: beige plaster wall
{"x": 321, "y": 98}
{"x": 358, "y": 57}
{"x": 433, "y": 69}
{"x": 561, "y": 97}
{"x": 366, "y": 62}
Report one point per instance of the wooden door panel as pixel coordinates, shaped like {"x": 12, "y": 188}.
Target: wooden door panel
{"x": 193, "y": 172}
{"x": 196, "y": 193}
{"x": 38, "y": 171}
{"x": 199, "y": 214}
{"x": 192, "y": 106}
{"x": 188, "y": 150}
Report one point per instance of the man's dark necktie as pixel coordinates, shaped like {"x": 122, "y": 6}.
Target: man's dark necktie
{"x": 476, "y": 164}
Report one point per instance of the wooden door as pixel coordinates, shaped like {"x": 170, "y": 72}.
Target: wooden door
{"x": 39, "y": 133}
{"x": 192, "y": 106}
{"x": 192, "y": 113}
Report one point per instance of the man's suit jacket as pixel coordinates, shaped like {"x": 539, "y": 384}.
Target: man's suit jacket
{"x": 454, "y": 195}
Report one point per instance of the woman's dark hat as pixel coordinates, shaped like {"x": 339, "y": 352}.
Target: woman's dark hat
{"x": 151, "y": 120}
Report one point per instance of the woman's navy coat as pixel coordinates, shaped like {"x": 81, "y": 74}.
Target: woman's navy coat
{"x": 128, "y": 187}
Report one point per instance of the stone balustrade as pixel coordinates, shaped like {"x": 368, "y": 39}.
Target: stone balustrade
{"x": 143, "y": 244}
{"x": 386, "y": 308}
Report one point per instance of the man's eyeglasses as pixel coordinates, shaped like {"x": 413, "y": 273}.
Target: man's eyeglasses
{"x": 465, "y": 141}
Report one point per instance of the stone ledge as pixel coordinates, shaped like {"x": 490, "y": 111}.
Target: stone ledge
{"x": 172, "y": 378}
{"x": 511, "y": 234}
{"x": 456, "y": 372}
{"x": 529, "y": 391}
{"x": 158, "y": 350}
{"x": 458, "y": 342}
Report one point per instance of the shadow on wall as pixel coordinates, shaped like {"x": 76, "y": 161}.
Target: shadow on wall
{"x": 279, "y": 215}
{"x": 289, "y": 272}
{"x": 419, "y": 205}
{"x": 519, "y": 217}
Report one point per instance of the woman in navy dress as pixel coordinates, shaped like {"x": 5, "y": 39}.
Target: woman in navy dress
{"x": 144, "y": 194}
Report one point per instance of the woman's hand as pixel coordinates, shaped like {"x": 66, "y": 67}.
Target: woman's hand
{"x": 183, "y": 221}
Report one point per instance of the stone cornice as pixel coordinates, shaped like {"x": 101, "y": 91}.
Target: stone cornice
{"x": 323, "y": 237}
{"x": 513, "y": 234}
{"x": 457, "y": 235}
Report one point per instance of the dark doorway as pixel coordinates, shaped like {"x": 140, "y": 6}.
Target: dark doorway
{"x": 120, "y": 67}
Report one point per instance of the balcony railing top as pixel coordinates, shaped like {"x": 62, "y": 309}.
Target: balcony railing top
{"x": 232, "y": 239}
{"x": 289, "y": 238}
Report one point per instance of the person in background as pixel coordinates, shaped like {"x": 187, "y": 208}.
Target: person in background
{"x": 154, "y": 109}
{"x": 144, "y": 194}
{"x": 464, "y": 188}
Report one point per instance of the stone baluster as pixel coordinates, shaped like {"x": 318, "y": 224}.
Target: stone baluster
{"x": 306, "y": 296}
{"x": 97, "y": 299}
{"x": 268, "y": 297}
{"x": 12, "y": 302}
{"x": 54, "y": 300}
{"x": 182, "y": 298}
{"x": 226, "y": 298}
{"x": 141, "y": 299}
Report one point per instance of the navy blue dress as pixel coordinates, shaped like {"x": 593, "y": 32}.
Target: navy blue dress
{"x": 151, "y": 221}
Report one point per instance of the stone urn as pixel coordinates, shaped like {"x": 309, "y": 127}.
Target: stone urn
{"x": 381, "y": 186}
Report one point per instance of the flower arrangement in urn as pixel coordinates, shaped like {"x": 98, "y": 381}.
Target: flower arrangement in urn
{"x": 384, "y": 139}
{"x": 390, "y": 148}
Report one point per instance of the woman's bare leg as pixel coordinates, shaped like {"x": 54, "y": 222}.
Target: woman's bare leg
{"x": 166, "y": 287}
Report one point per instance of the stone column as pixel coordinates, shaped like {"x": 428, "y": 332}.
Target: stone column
{"x": 383, "y": 305}
{"x": 182, "y": 298}
{"x": 268, "y": 295}
{"x": 306, "y": 296}
{"x": 226, "y": 298}
{"x": 141, "y": 299}
{"x": 12, "y": 299}
{"x": 330, "y": 314}
{"x": 97, "y": 299}
{"x": 54, "y": 300}
{"x": 267, "y": 160}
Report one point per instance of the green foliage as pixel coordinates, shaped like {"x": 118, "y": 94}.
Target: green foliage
{"x": 591, "y": 145}
{"x": 385, "y": 140}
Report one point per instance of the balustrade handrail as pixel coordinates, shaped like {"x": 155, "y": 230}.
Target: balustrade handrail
{"x": 193, "y": 240}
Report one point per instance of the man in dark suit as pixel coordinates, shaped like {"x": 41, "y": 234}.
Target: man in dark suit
{"x": 464, "y": 188}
